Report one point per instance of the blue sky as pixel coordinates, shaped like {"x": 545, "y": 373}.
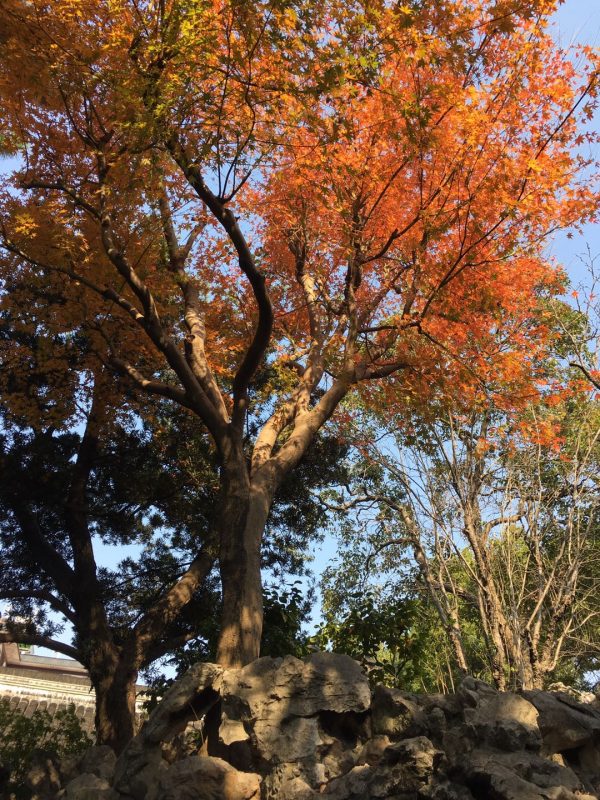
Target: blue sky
{"x": 578, "y": 21}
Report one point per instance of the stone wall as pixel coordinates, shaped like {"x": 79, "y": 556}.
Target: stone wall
{"x": 289, "y": 729}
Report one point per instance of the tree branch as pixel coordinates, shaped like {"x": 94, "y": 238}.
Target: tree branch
{"x": 76, "y": 507}
{"x": 38, "y": 594}
{"x": 169, "y": 645}
{"x": 44, "y": 555}
{"x": 165, "y": 610}
{"x": 152, "y": 386}
{"x": 577, "y": 365}
{"x": 262, "y": 335}
{"x": 193, "y": 315}
{"x": 39, "y": 640}
{"x": 58, "y": 186}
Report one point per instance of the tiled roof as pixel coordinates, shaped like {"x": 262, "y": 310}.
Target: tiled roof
{"x": 11, "y": 655}
{"x": 49, "y": 675}
{"x": 31, "y": 682}
{"x": 49, "y": 662}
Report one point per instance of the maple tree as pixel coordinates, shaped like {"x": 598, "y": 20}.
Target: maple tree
{"x": 348, "y": 195}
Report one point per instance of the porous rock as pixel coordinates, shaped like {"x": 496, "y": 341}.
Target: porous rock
{"x": 301, "y": 729}
{"x": 305, "y": 712}
{"x": 89, "y": 787}
{"x": 564, "y": 723}
{"x": 278, "y": 700}
{"x": 396, "y": 713}
{"x": 192, "y": 696}
{"x": 201, "y": 778}
{"x": 506, "y": 720}
{"x": 43, "y": 776}
{"x": 284, "y": 782}
{"x": 472, "y": 692}
{"x": 100, "y": 761}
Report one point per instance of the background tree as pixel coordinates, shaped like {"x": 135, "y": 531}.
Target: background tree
{"x": 579, "y": 322}
{"x": 120, "y": 483}
{"x": 347, "y": 193}
{"x": 499, "y": 517}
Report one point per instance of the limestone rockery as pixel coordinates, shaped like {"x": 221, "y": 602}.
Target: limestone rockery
{"x": 290, "y": 729}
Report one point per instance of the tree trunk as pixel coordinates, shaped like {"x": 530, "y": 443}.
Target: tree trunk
{"x": 113, "y": 671}
{"x": 115, "y": 705}
{"x": 490, "y": 605}
{"x": 448, "y": 615}
{"x": 493, "y": 640}
{"x": 244, "y": 516}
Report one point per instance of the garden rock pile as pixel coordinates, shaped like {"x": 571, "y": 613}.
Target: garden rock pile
{"x": 290, "y": 729}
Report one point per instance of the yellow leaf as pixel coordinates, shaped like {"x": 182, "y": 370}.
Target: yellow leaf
{"x": 24, "y": 224}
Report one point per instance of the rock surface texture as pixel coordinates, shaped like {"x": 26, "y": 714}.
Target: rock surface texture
{"x": 290, "y": 729}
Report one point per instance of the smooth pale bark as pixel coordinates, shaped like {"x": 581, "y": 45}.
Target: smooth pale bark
{"x": 246, "y": 497}
{"x": 245, "y": 509}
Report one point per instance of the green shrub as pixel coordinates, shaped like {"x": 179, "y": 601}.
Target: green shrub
{"x": 61, "y": 734}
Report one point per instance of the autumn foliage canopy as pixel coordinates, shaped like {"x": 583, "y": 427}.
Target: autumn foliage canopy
{"x": 225, "y": 202}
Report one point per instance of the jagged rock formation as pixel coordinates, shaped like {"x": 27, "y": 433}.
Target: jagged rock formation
{"x": 289, "y": 729}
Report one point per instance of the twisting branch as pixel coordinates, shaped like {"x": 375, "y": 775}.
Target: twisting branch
{"x": 193, "y": 314}
{"x": 170, "y": 645}
{"x": 401, "y": 542}
{"x": 262, "y": 335}
{"x": 62, "y": 187}
{"x": 165, "y": 610}
{"x": 150, "y": 385}
{"x": 54, "y": 565}
{"x": 151, "y": 322}
{"x": 578, "y": 365}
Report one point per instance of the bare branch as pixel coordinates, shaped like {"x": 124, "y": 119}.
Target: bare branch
{"x": 262, "y": 335}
